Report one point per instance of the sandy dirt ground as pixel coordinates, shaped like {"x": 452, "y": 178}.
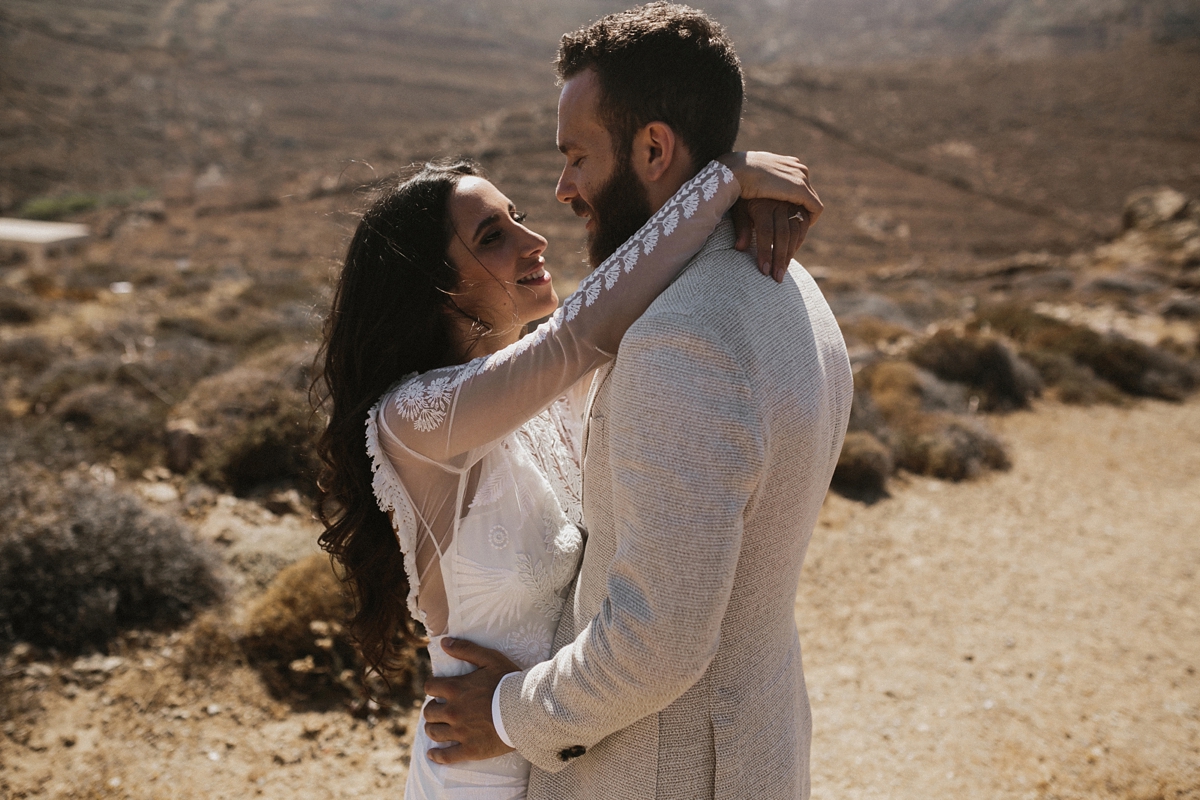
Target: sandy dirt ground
{"x": 1034, "y": 634}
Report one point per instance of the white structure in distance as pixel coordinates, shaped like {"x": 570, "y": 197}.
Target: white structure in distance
{"x": 38, "y": 239}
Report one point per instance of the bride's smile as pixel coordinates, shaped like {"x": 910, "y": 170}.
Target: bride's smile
{"x": 503, "y": 280}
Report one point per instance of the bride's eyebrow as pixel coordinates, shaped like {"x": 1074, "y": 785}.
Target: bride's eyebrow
{"x": 488, "y": 220}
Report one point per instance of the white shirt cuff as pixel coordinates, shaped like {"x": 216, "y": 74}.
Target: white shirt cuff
{"x": 497, "y": 722}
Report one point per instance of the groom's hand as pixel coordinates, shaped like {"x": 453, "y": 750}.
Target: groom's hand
{"x": 464, "y": 713}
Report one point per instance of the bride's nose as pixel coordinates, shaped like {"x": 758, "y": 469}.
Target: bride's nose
{"x": 535, "y": 243}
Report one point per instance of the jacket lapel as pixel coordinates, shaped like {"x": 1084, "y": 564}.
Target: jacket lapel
{"x": 597, "y": 382}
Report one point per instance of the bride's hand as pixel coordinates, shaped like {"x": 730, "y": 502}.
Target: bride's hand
{"x": 777, "y": 204}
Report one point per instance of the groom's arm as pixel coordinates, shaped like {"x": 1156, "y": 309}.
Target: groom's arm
{"x": 686, "y": 453}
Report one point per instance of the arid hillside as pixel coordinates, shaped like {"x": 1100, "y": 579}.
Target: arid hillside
{"x": 108, "y": 97}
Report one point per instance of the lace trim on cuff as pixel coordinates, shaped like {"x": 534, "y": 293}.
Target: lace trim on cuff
{"x": 425, "y": 399}
{"x": 391, "y": 497}
{"x": 686, "y": 201}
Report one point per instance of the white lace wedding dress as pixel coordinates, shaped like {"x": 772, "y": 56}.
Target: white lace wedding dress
{"x": 478, "y": 466}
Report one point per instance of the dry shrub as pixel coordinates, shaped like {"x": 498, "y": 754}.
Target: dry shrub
{"x": 17, "y": 307}
{"x": 241, "y": 326}
{"x": 111, "y": 419}
{"x": 1071, "y": 382}
{"x": 83, "y": 411}
{"x": 254, "y": 422}
{"x": 175, "y": 363}
{"x": 1002, "y": 379}
{"x": 1132, "y": 367}
{"x": 208, "y": 643}
{"x": 1185, "y": 308}
{"x": 80, "y": 562}
{"x": 294, "y": 635}
{"x": 947, "y": 446}
{"x": 921, "y": 428}
{"x": 863, "y": 467}
{"x": 871, "y": 331}
{"x": 92, "y": 275}
{"x": 21, "y": 695}
{"x": 26, "y": 355}
{"x": 278, "y": 286}
{"x": 64, "y": 377}
{"x": 900, "y": 388}
{"x": 1153, "y": 206}
{"x": 865, "y": 414}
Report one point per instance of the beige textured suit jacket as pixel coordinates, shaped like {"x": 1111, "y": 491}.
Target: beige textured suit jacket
{"x": 710, "y": 445}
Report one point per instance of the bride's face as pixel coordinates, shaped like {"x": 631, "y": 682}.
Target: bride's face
{"x": 502, "y": 274}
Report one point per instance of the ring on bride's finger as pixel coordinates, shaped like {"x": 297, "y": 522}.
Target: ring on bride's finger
{"x": 799, "y": 215}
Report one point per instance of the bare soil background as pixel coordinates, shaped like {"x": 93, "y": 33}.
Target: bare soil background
{"x": 1006, "y": 609}
{"x": 1033, "y": 634}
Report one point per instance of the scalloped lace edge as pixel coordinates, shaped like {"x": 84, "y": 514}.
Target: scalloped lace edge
{"x": 391, "y": 497}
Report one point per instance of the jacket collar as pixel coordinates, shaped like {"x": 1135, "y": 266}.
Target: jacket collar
{"x": 722, "y": 238}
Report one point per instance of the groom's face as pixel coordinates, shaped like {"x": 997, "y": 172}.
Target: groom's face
{"x": 600, "y": 184}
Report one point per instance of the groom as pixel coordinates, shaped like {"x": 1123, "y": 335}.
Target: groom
{"x": 709, "y": 447}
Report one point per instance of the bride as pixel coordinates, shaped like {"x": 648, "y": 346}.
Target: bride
{"x": 461, "y": 516}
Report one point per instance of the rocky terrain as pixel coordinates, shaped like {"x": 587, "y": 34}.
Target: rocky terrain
{"x": 1011, "y": 244}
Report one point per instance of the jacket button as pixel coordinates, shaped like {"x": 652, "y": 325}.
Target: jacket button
{"x": 574, "y": 751}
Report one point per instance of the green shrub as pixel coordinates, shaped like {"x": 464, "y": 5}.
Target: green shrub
{"x": 80, "y": 562}
{"x": 65, "y": 205}
{"x": 53, "y": 208}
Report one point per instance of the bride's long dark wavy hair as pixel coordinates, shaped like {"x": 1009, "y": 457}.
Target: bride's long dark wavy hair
{"x": 391, "y": 315}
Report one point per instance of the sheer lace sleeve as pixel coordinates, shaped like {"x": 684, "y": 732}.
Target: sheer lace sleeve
{"x": 443, "y": 414}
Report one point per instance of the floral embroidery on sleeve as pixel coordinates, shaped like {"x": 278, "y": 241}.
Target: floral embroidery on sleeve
{"x": 664, "y": 222}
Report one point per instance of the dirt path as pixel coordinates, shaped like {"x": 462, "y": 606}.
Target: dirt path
{"x": 1033, "y": 634}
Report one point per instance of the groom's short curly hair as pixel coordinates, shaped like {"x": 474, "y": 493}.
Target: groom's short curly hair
{"x": 661, "y": 62}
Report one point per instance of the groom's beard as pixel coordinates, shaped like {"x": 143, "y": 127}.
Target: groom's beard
{"x": 620, "y": 208}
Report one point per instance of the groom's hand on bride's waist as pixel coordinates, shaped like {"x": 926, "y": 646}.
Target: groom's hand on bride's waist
{"x": 462, "y": 707}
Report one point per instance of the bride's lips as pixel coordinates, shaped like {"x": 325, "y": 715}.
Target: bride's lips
{"x": 538, "y": 277}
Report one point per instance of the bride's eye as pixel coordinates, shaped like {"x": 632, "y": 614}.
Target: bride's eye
{"x": 489, "y": 238}
{"x": 519, "y": 216}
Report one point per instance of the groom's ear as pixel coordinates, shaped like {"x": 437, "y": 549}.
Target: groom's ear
{"x": 656, "y": 150}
